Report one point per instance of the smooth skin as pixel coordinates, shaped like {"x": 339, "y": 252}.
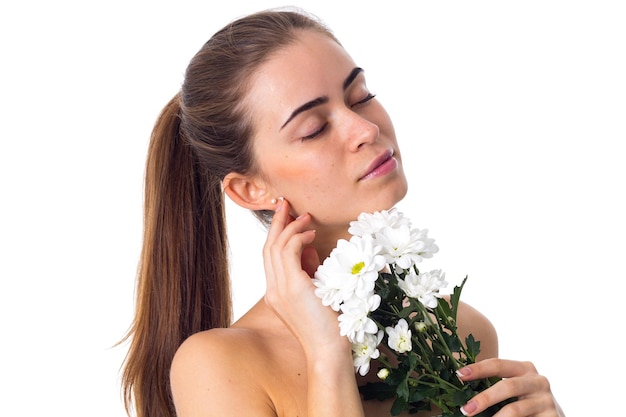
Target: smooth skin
{"x": 285, "y": 356}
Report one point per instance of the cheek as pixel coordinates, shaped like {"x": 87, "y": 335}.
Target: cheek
{"x": 308, "y": 187}
{"x": 298, "y": 176}
{"x": 302, "y": 165}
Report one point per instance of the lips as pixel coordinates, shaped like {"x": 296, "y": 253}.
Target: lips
{"x": 382, "y": 165}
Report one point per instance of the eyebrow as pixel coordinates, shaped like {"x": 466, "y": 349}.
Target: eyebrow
{"x": 324, "y": 99}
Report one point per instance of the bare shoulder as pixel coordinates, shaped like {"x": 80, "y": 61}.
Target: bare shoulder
{"x": 210, "y": 371}
{"x": 472, "y": 321}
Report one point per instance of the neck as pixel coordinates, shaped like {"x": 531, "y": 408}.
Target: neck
{"x": 326, "y": 240}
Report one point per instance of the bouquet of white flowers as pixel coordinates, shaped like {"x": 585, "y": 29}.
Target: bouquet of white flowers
{"x": 385, "y": 302}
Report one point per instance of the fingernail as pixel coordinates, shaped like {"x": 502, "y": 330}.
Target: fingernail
{"x": 466, "y": 371}
{"x": 469, "y": 408}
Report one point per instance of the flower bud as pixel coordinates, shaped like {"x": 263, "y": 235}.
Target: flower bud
{"x": 383, "y": 373}
{"x": 420, "y": 326}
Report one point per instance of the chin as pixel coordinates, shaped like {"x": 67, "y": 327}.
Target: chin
{"x": 396, "y": 195}
{"x": 384, "y": 203}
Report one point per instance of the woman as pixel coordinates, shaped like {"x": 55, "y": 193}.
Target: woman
{"x": 276, "y": 115}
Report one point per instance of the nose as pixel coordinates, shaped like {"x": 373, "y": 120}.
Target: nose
{"x": 360, "y": 131}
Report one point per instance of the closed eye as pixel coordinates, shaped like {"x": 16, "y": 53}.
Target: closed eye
{"x": 316, "y": 133}
{"x": 367, "y": 98}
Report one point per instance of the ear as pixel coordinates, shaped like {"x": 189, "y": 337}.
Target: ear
{"x": 248, "y": 192}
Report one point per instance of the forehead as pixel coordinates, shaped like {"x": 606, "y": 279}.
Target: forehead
{"x": 313, "y": 66}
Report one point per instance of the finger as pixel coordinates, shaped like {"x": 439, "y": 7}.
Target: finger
{"x": 524, "y": 407}
{"x": 533, "y": 404}
{"x": 286, "y": 251}
{"x": 310, "y": 260}
{"x": 521, "y": 381}
{"x": 495, "y": 367}
{"x": 280, "y": 220}
{"x": 283, "y": 250}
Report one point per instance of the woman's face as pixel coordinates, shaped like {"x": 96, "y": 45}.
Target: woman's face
{"x": 320, "y": 138}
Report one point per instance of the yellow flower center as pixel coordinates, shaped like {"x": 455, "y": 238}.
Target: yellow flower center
{"x": 357, "y": 268}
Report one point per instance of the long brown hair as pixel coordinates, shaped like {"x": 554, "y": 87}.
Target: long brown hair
{"x": 202, "y": 134}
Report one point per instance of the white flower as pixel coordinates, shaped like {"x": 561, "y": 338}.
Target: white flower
{"x": 372, "y": 223}
{"x": 424, "y": 287}
{"x": 401, "y": 244}
{"x": 332, "y": 288}
{"x": 429, "y": 248}
{"x": 354, "y": 321}
{"x": 351, "y": 269}
{"x": 399, "y": 337}
{"x": 405, "y": 246}
{"x": 364, "y": 351}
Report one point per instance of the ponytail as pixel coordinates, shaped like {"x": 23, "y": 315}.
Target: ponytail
{"x": 183, "y": 282}
{"x": 202, "y": 134}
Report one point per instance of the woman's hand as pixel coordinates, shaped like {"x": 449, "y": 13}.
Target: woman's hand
{"x": 290, "y": 262}
{"x": 521, "y": 380}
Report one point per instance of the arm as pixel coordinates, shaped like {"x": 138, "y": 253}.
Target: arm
{"x": 209, "y": 378}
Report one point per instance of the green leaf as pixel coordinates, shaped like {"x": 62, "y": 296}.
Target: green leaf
{"x": 399, "y": 405}
{"x": 403, "y": 389}
{"x": 437, "y": 364}
{"x": 417, "y": 396}
{"x": 412, "y": 362}
{"x": 473, "y": 347}
{"x": 453, "y": 342}
{"x": 455, "y": 297}
{"x": 406, "y": 312}
{"x": 383, "y": 292}
{"x": 445, "y": 308}
{"x": 460, "y": 398}
{"x": 395, "y": 377}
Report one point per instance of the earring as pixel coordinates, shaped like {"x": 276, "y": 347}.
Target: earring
{"x": 274, "y": 200}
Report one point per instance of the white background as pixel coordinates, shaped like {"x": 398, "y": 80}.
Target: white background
{"x": 510, "y": 115}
